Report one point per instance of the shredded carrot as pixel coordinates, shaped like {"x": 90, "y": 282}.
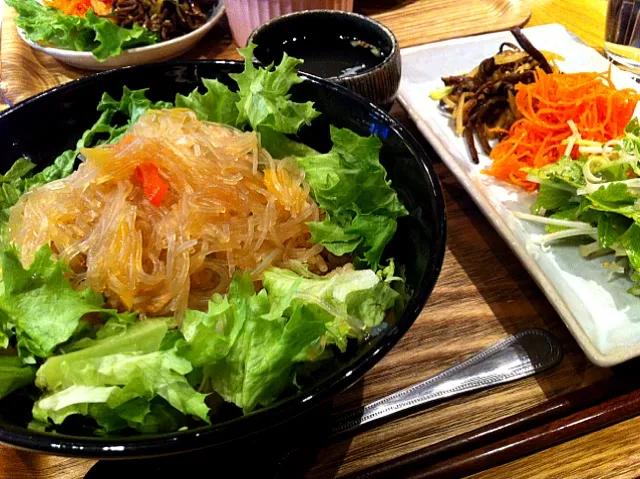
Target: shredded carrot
{"x": 599, "y": 111}
{"x": 79, "y": 7}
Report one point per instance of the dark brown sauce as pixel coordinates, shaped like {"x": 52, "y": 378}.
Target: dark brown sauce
{"x": 334, "y": 56}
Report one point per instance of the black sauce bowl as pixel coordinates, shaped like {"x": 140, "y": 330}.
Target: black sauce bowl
{"x": 323, "y": 38}
{"x": 43, "y": 126}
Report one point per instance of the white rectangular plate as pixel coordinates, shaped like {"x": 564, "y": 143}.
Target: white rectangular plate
{"x": 601, "y": 315}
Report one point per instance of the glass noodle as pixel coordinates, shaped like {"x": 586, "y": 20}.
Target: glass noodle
{"x": 229, "y": 206}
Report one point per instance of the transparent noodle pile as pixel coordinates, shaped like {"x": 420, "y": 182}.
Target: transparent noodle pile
{"x": 229, "y": 206}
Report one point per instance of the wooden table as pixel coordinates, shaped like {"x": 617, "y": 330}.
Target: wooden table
{"x": 483, "y": 293}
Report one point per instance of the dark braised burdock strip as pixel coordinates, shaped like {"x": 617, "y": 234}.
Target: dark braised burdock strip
{"x": 468, "y": 136}
{"x": 169, "y": 19}
{"x": 483, "y": 101}
{"x": 478, "y": 116}
{"x": 507, "y": 44}
{"x": 528, "y": 47}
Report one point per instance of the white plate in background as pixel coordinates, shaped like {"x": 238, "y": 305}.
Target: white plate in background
{"x": 601, "y": 315}
{"x": 158, "y": 52}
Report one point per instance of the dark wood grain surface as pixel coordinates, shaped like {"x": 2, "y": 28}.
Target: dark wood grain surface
{"x": 552, "y": 422}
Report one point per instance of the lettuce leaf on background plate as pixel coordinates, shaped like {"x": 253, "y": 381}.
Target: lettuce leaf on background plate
{"x": 100, "y": 36}
{"x": 604, "y": 208}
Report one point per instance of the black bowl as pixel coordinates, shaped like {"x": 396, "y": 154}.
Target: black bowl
{"x": 47, "y": 124}
{"x": 337, "y": 46}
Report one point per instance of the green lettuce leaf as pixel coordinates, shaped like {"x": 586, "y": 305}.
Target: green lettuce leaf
{"x": 616, "y": 198}
{"x": 118, "y": 379}
{"x": 161, "y": 373}
{"x": 349, "y": 303}
{"x": 551, "y": 198}
{"x": 611, "y": 208}
{"x": 19, "y": 169}
{"x": 146, "y": 417}
{"x": 257, "y": 339}
{"x": 110, "y": 39}
{"x": 260, "y": 364}
{"x": 50, "y": 26}
{"x": 18, "y": 181}
{"x": 563, "y": 172}
{"x": 631, "y": 242}
{"x": 614, "y": 195}
{"x": 40, "y": 303}
{"x": 131, "y": 105}
{"x": 264, "y": 95}
{"x": 568, "y": 214}
{"x": 558, "y": 190}
{"x": 631, "y": 140}
{"x": 74, "y": 400}
{"x": 633, "y": 127}
{"x": 262, "y": 101}
{"x": 6, "y": 330}
{"x": 102, "y": 37}
{"x": 142, "y": 337}
{"x": 218, "y": 104}
{"x": 162, "y": 417}
{"x": 610, "y": 228}
{"x": 14, "y": 375}
{"x": 334, "y": 237}
{"x": 572, "y": 211}
{"x": 211, "y": 335}
{"x": 281, "y": 146}
{"x": 351, "y": 186}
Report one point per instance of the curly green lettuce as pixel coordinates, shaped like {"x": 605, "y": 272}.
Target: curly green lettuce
{"x": 123, "y": 380}
{"x": 250, "y": 343}
{"x": 100, "y": 36}
{"x": 40, "y": 305}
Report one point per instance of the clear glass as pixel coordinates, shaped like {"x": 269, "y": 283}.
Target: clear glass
{"x": 622, "y": 34}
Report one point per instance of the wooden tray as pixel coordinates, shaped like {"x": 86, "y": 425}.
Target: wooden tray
{"x": 26, "y": 72}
